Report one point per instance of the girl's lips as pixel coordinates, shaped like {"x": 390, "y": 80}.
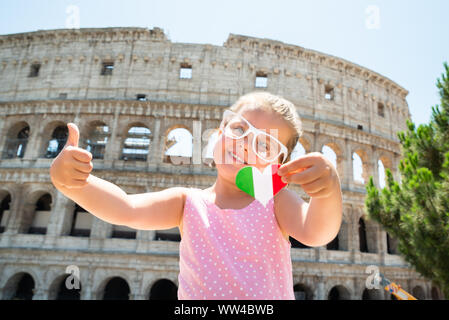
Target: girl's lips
{"x": 234, "y": 156}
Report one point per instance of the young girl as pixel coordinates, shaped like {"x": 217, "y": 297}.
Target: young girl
{"x": 232, "y": 246}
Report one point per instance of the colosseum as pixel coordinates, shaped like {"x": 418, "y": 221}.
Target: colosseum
{"x": 132, "y": 92}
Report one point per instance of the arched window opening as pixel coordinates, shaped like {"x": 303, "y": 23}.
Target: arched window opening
{"x": 169, "y": 235}
{"x": 116, "y": 289}
{"x": 57, "y": 142}
{"x": 363, "y": 246}
{"x": 179, "y": 146}
{"x": 392, "y": 245}
{"x": 338, "y": 293}
{"x": 333, "y": 245}
{"x": 330, "y": 154}
{"x": 164, "y": 289}
{"x": 208, "y": 151}
{"x": 418, "y": 293}
{"x": 357, "y": 167}
{"x": 16, "y": 144}
{"x": 371, "y": 294}
{"x": 297, "y": 151}
{"x": 81, "y": 222}
{"x": 136, "y": 144}
{"x": 302, "y": 292}
{"x": 4, "y": 211}
{"x": 41, "y": 215}
{"x": 435, "y": 292}
{"x": 382, "y": 180}
{"x": 123, "y": 232}
{"x": 25, "y": 287}
{"x": 296, "y": 244}
{"x": 68, "y": 293}
{"x": 97, "y": 140}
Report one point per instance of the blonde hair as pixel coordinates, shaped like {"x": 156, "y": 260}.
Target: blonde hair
{"x": 281, "y": 106}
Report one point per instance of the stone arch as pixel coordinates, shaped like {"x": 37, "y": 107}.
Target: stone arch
{"x": 418, "y": 292}
{"x": 54, "y": 135}
{"x": 102, "y": 277}
{"x": 81, "y": 222}
{"x": 302, "y": 292}
{"x": 435, "y": 293}
{"x": 163, "y": 289}
{"x": 36, "y": 211}
{"x": 359, "y": 153}
{"x": 95, "y": 137}
{"x": 114, "y": 288}
{"x": 208, "y": 139}
{"x": 392, "y": 244}
{"x": 306, "y": 142}
{"x": 332, "y": 143}
{"x": 136, "y": 142}
{"x": 381, "y": 174}
{"x": 337, "y": 146}
{"x": 334, "y": 156}
{"x": 5, "y": 208}
{"x": 371, "y": 294}
{"x": 339, "y": 292}
{"x": 178, "y": 157}
{"x": 363, "y": 245}
{"x": 345, "y": 230}
{"x": 384, "y": 162}
{"x": 371, "y": 231}
{"x": 297, "y": 151}
{"x": 20, "y": 286}
{"x": 59, "y": 291}
{"x": 16, "y": 140}
{"x": 334, "y": 244}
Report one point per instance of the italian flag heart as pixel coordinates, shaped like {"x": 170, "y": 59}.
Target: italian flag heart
{"x": 262, "y": 186}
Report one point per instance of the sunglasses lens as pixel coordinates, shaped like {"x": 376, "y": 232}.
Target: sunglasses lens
{"x": 266, "y": 146}
{"x": 236, "y": 128}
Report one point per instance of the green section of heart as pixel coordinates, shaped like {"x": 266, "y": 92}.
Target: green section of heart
{"x": 244, "y": 180}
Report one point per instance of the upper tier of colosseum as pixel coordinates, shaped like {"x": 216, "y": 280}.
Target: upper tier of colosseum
{"x": 70, "y": 65}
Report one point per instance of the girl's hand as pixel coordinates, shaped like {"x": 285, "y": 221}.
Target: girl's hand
{"x": 72, "y": 166}
{"x": 314, "y": 173}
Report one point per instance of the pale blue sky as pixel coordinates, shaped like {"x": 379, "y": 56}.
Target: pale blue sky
{"x": 408, "y": 44}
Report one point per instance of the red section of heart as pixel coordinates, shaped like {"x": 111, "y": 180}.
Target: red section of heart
{"x": 278, "y": 184}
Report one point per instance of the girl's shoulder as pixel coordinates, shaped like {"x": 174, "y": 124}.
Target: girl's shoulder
{"x": 189, "y": 191}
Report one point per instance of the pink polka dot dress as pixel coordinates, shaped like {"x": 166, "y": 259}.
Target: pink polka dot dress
{"x": 232, "y": 254}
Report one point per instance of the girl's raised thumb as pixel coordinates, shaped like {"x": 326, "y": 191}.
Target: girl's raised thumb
{"x": 74, "y": 135}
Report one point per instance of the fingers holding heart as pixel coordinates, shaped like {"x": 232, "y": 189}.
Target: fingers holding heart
{"x": 302, "y": 175}
{"x": 315, "y": 180}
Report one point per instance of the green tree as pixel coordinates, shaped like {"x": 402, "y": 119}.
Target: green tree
{"x": 416, "y": 210}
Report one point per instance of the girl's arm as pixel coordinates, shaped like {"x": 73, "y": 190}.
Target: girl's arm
{"x": 318, "y": 222}
{"x": 70, "y": 174}
{"x": 147, "y": 211}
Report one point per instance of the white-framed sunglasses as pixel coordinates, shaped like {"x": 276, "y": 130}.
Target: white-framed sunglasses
{"x": 265, "y": 146}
